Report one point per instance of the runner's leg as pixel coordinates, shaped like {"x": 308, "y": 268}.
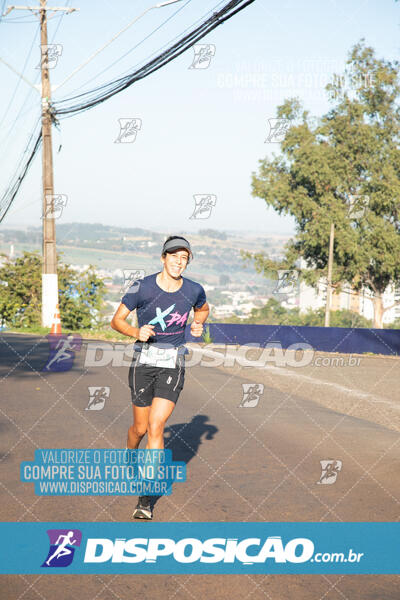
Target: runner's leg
{"x": 137, "y": 431}
{"x": 160, "y": 411}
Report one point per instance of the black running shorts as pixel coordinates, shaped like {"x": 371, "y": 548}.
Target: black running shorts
{"x": 147, "y": 382}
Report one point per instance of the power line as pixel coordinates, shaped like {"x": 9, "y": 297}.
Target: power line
{"x": 32, "y": 148}
{"x": 20, "y": 21}
{"x": 24, "y": 152}
{"x": 2, "y": 10}
{"x": 137, "y": 45}
{"x": 110, "y": 42}
{"x": 165, "y": 45}
{"x": 9, "y": 19}
{"x": 147, "y": 37}
{"x": 100, "y": 94}
{"x": 49, "y": 291}
{"x": 116, "y": 86}
{"x": 11, "y": 128}
{"x": 20, "y": 77}
{"x": 13, "y": 188}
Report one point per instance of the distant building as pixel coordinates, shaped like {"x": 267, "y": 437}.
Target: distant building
{"x": 223, "y": 310}
{"x": 359, "y": 302}
{"x": 308, "y": 297}
{"x": 79, "y": 268}
{"x": 246, "y": 307}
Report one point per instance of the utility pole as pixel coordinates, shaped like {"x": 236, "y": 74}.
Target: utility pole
{"x": 49, "y": 252}
{"x": 329, "y": 287}
{"x": 49, "y": 268}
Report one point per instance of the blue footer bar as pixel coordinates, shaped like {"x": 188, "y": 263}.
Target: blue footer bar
{"x": 202, "y": 547}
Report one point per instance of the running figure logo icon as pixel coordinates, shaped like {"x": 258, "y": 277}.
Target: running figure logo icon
{"x": 61, "y": 551}
{"x": 251, "y": 394}
{"x": 97, "y": 397}
{"x": 287, "y": 282}
{"x": 128, "y": 129}
{"x": 203, "y": 54}
{"x": 357, "y": 206}
{"x": 132, "y": 279}
{"x": 62, "y": 352}
{"x": 278, "y": 129}
{"x": 54, "y": 205}
{"x": 50, "y": 55}
{"x": 330, "y": 469}
{"x": 203, "y": 205}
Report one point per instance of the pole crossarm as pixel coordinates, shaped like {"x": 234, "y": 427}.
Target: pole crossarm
{"x": 39, "y": 8}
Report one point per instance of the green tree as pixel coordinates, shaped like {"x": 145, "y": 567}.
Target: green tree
{"x": 349, "y": 156}
{"x": 394, "y": 325}
{"x": 81, "y": 295}
{"x": 20, "y": 303}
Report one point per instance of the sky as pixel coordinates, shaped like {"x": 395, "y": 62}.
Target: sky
{"x": 202, "y": 131}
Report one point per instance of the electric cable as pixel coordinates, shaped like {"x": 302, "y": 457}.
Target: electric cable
{"x": 100, "y": 94}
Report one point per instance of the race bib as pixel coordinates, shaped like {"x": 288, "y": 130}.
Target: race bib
{"x": 159, "y": 357}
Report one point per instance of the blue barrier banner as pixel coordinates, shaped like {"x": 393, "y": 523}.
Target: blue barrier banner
{"x": 208, "y": 548}
{"x": 326, "y": 339}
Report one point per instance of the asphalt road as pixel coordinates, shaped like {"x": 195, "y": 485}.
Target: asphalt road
{"x": 249, "y": 458}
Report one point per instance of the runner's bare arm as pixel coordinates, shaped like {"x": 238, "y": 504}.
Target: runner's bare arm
{"x": 120, "y": 324}
{"x": 200, "y": 316}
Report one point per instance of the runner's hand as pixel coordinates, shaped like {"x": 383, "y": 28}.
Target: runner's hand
{"x": 196, "y": 328}
{"x": 145, "y": 332}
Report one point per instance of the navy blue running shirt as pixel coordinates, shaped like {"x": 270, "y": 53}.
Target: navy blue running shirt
{"x": 167, "y": 311}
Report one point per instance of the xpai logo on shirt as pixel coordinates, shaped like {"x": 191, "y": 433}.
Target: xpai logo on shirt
{"x": 175, "y": 317}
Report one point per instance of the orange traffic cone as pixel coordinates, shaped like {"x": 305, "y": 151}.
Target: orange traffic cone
{"x": 56, "y": 325}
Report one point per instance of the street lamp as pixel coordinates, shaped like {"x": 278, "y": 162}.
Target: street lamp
{"x": 160, "y": 4}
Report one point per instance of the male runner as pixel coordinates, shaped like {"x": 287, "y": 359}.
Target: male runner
{"x": 156, "y": 377}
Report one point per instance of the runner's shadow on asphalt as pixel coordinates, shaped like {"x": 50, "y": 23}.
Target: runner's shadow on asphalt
{"x": 184, "y": 439}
